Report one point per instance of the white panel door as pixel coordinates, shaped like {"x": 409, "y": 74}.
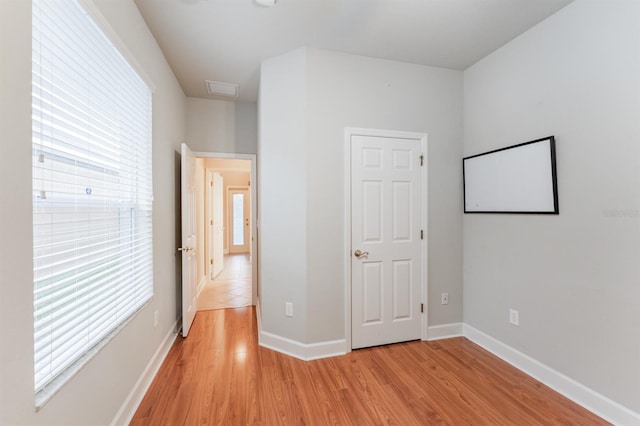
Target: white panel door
{"x": 386, "y": 266}
{"x": 189, "y": 227}
{"x": 216, "y": 224}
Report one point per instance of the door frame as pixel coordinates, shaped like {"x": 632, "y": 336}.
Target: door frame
{"x": 253, "y": 221}
{"x": 229, "y": 215}
{"x": 209, "y": 174}
{"x": 397, "y": 134}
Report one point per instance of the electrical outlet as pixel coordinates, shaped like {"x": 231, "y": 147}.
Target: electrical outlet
{"x": 514, "y": 317}
{"x": 155, "y": 318}
{"x": 288, "y": 309}
{"x": 444, "y": 298}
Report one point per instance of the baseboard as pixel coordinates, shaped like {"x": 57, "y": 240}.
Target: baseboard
{"x": 133, "y": 400}
{"x": 444, "y": 331}
{"x": 600, "y": 405}
{"x": 303, "y": 351}
{"x": 201, "y": 284}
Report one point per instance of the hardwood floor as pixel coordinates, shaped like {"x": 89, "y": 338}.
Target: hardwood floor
{"x": 219, "y": 375}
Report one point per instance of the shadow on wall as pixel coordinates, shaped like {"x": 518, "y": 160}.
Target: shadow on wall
{"x": 178, "y": 237}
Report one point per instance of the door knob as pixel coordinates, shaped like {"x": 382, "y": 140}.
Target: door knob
{"x": 360, "y": 254}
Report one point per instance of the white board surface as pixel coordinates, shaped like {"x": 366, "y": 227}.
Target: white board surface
{"x": 517, "y": 179}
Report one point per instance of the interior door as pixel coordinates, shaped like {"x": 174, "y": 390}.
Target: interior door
{"x": 189, "y": 227}
{"x": 218, "y": 223}
{"x": 386, "y": 237}
{"x": 215, "y": 230}
{"x": 239, "y": 218}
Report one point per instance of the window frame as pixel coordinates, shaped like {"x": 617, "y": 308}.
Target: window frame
{"x": 44, "y": 392}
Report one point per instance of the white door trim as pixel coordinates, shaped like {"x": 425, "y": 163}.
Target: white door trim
{"x": 422, "y": 137}
{"x": 254, "y": 221}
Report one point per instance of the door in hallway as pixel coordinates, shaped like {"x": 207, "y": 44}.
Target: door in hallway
{"x": 239, "y": 218}
{"x": 386, "y": 246}
{"x": 188, "y": 248}
{"x": 215, "y": 209}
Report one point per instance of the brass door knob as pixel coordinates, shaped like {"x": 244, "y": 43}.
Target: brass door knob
{"x": 360, "y": 254}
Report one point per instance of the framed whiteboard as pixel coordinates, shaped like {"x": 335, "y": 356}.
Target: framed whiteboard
{"x": 516, "y": 179}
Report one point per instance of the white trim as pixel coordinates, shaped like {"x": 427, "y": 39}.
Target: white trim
{"x": 398, "y": 134}
{"x": 201, "y": 285}
{"x": 326, "y": 349}
{"x": 303, "y": 351}
{"x": 597, "y": 403}
{"x": 444, "y": 331}
{"x": 133, "y": 400}
{"x": 347, "y": 240}
{"x": 424, "y": 173}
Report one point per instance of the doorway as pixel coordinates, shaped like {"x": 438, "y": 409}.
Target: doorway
{"x": 239, "y": 212}
{"x": 227, "y": 280}
{"x": 386, "y": 217}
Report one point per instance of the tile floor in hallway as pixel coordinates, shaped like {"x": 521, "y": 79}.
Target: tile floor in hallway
{"x": 231, "y": 288}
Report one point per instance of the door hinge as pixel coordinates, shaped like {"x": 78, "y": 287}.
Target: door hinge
{"x": 211, "y": 262}
{"x": 422, "y": 234}
{"x": 211, "y": 183}
{"x": 422, "y": 307}
{"x": 422, "y": 159}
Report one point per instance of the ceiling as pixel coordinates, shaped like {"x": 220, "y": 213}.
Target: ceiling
{"x": 225, "y": 40}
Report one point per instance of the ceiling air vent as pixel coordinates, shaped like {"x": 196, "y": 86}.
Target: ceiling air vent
{"x": 222, "y": 89}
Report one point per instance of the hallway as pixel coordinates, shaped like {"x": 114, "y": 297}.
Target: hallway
{"x": 231, "y": 288}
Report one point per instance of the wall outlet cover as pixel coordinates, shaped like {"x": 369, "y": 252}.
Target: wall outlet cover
{"x": 444, "y": 298}
{"x": 514, "y": 317}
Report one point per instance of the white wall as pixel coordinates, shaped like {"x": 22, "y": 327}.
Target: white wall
{"x": 221, "y": 126}
{"x": 302, "y": 147}
{"x": 97, "y": 392}
{"x": 575, "y": 278}
{"x": 282, "y": 189}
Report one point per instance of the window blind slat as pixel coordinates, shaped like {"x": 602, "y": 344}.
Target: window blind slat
{"x": 92, "y": 188}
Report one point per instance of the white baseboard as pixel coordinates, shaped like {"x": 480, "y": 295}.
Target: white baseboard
{"x": 303, "y": 351}
{"x": 444, "y": 331}
{"x": 201, "y": 285}
{"x": 600, "y": 405}
{"x": 133, "y": 400}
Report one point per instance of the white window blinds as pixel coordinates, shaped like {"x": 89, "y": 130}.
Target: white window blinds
{"x": 92, "y": 188}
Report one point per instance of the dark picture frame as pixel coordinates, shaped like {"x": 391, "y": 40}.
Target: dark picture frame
{"x": 518, "y": 179}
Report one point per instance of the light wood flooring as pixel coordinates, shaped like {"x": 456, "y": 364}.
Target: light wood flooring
{"x": 219, "y": 375}
{"x": 231, "y": 288}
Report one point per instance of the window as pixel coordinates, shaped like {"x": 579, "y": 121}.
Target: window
{"x": 238, "y": 219}
{"x": 92, "y": 190}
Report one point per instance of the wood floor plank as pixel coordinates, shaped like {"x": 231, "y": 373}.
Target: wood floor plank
{"x": 219, "y": 375}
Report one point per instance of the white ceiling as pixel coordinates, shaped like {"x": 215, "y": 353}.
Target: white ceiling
{"x": 225, "y": 40}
